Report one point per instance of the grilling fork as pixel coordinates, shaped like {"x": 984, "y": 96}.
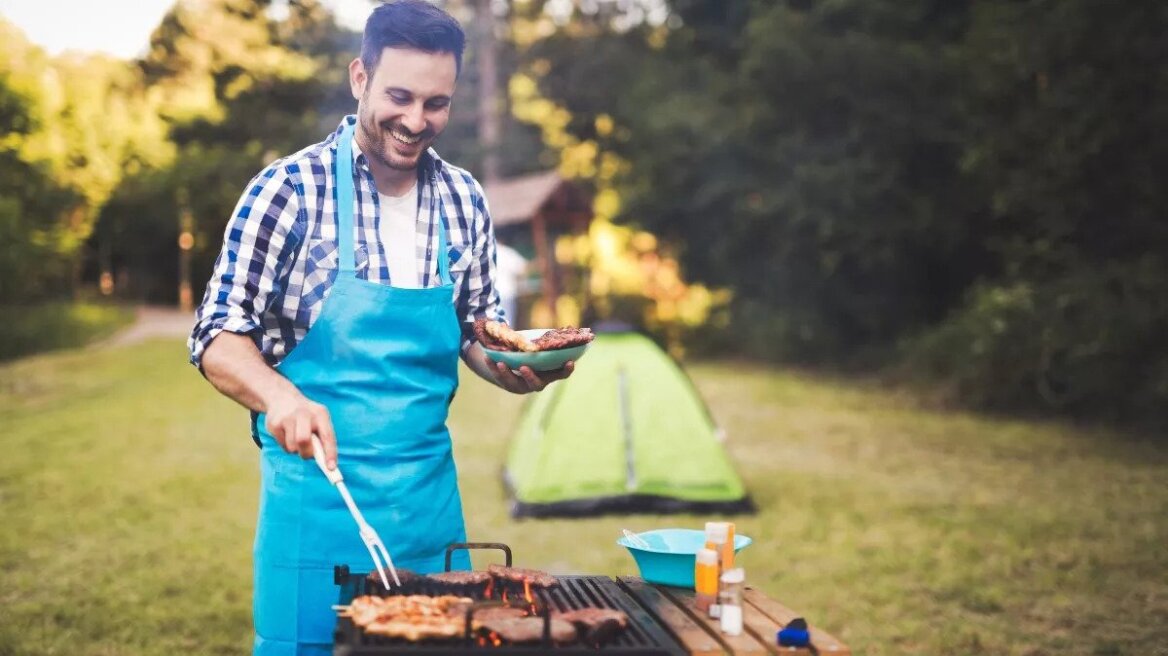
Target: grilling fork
{"x": 372, "y": 541}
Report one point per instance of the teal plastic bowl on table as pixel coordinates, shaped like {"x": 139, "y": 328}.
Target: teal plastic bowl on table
{"x": 669, "y": 560}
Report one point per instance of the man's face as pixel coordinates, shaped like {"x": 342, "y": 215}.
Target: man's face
{"x": 403, "y": 105}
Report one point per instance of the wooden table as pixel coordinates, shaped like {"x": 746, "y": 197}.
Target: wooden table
{"x": 702, "y": 636}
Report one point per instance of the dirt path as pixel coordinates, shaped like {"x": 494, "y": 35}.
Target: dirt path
{"x": 154, "y": 321}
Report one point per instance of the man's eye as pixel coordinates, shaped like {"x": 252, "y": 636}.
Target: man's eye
{"x": 399, "y": 99}
{"x": 437, "y": 104}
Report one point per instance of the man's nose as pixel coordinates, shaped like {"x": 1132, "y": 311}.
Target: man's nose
{"x": 414, "y": 118}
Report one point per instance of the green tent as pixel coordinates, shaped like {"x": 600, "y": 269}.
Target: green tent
{"x": 627, "y": 432}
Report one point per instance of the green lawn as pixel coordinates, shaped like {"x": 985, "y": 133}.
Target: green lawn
{"x": 128, "y": 493}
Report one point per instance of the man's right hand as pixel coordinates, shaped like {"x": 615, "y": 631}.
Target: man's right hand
{"x": 293, "y": 420}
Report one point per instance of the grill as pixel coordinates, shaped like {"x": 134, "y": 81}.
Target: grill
{"x": 644, "y": 635}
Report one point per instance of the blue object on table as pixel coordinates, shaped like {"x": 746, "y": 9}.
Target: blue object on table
{"x": 669, "y": 560}
{"x": 795, "y": 634}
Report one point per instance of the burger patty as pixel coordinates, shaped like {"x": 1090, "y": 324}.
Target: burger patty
{"x": 460, "y": 577}
{"x": 521, "y": 575}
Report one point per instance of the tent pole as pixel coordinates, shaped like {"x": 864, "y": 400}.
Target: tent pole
{"x": 626, "y": 428}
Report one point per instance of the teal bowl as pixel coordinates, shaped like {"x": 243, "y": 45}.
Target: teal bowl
{"x": 669, "y": 560}
{"x": 539, "y": 360}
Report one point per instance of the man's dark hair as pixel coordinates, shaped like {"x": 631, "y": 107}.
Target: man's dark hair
{"x": 413, "y": 24}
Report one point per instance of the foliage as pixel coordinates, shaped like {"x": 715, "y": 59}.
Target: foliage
{"x": 29, "y": 329}
{"x": 869, "y": 180}
{"x": 862, "y": 173}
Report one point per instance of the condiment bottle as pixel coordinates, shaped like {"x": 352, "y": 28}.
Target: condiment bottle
{"x": 726, "y": 559}
{"x": 730, "y": 599}
{"x": 716, "y": 533}
{"x": 705, "y": 579}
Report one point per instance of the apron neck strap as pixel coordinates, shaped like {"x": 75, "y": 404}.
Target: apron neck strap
{"x": 344, "y": 177}
{"x": 443, "y": 255}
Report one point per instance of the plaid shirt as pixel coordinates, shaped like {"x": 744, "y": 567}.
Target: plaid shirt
{"x": 279, "y": 257}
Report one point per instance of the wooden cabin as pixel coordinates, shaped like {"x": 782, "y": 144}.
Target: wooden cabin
{"x": 529, "y": 212}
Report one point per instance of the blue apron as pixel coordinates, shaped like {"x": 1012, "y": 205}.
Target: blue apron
{"x": 384, "y": 361}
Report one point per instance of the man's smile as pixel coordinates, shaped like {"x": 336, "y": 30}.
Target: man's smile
{"x": 404, "y": 138}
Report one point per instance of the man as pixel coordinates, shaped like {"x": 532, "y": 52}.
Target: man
{"x": 338, "y": 308}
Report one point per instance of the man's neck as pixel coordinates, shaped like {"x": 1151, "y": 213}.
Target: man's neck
{"x": 392, "y": 182}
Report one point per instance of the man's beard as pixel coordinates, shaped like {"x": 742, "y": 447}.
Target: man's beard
{"x": 377, "y": 143}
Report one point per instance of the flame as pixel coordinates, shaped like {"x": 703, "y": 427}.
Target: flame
{"x": 527, "y": 591}
{"x": 504, "y": 596}
{"x": 490, "y": 589}
{"x": 495, "y": 639}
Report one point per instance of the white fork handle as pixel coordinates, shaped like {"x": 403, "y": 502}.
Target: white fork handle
{"x": 368, "y": 535}
{"x": 334, "y": 474}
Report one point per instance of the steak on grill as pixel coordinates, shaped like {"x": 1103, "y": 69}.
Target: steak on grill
{"x": 530, "y": 629}
{"x": 521, "y": 575}
{"x": 495, "y": 613}
{"x": 592, "y": 617}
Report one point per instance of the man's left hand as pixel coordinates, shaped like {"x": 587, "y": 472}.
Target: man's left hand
{"x": 527, "y": 380}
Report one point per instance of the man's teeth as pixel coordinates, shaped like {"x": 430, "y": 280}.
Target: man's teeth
{"x": 406, "y": 139}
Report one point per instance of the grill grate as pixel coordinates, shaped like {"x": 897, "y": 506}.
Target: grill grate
{"x": 644, "y": 636}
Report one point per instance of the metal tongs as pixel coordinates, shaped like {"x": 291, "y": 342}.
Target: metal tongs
{"x": 372, "y": 541}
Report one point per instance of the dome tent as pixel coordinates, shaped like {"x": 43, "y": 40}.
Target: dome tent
{"x": 627, "y": 432}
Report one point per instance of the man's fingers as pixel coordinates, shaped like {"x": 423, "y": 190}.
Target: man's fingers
{"x": 304, "y": 436}
{"x": 559, "y": 374}
{"x": 324, "y": 430}
{"x": 534, "y": 383}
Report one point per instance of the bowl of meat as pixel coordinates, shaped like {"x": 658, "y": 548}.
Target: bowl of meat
{"x": 542, "y": 349}
{"x": 666, "y": 556}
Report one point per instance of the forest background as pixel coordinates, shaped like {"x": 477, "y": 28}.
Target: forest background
{"x": 966, "y": 196}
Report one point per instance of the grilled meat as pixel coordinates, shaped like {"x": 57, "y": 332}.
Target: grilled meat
{"x": 495, "y": 613}
{"x": 480, "y": 331}
{"x": 409, "y": 581}
{"x": 412, "y": 617}
{"x": 530, "y": 629}
{"x": 591, "y": 617}
{"x": 460, "y": 578}
{"x": 563, "y": 338}
{"x": 532, "y": 577}
{"x": 415, "y": 629}
{"x": 501, "y": 333}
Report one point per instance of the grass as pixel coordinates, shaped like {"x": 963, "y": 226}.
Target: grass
{"x": 128, "y": 494}
{"x": 57, "y": 325}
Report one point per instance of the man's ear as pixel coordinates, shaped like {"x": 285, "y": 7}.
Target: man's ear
{"x": 357, "y": 78}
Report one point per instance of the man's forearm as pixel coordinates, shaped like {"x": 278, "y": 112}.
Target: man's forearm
{"x": 235, "y": 367}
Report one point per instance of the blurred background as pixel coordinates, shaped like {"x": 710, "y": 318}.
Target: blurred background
{"x": 967, "y": 192}
{"x": 914, "y": 254}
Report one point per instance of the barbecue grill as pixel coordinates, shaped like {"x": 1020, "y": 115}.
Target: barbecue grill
{"x": 644, "y": 635}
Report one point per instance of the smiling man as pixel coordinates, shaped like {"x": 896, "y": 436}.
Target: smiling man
{"x": 349, "y": 278}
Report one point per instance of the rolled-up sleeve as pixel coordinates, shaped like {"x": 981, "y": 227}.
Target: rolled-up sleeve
{"x": 479, "y": 298}
{"x": 258, "y": 237}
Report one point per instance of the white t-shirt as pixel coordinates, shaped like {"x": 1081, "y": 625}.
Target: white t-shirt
{"x": 398, "y": 231}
